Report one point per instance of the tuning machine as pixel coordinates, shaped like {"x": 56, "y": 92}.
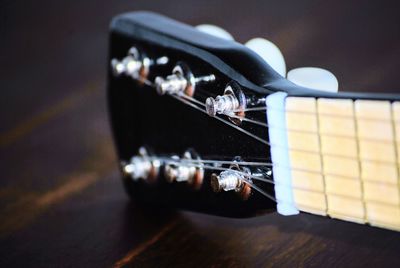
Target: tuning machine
{"x": 188, "y": 168}
{"x": 232, "y": 103}
{"x": 182, "y": 80}
{"x": 142, "y": 166}
{"x": 136, "y": 65}
{"x": 233, "y": 179}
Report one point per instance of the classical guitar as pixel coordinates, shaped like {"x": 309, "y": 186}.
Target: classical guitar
{"x": 204, "y": 123}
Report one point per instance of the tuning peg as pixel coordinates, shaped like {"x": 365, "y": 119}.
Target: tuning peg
{"x": 232, "y": 102}
{"x": 182, "y": 80}
{"x": 182, "y": 169}
{"x": 136, "y": 64}
{"x": 315, "y": 78}
{"x": 142, "y": 166}
{"x": 269, "y": 52}
{"x": 233, "y": 179}
{"x": 215, "y": 31}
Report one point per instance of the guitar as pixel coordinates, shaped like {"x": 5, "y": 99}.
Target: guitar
{"x": 206, "y": 124}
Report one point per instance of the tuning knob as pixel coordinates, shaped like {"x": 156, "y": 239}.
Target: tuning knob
{"x": 232, "y": 103}
{"x": 179, "y": 170}
{"x": 182, "y": 80}
{"x": 233, "y": 179}
{"x": 136, "y": 65}
{"x": 142, "y": 166}
{"x": 215, "y": 31}
{"x": 315, "y": 78}
{"x": 269, "y": 52}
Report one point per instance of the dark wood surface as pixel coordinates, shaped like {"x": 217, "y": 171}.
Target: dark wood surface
{"x": 61, "y": 200}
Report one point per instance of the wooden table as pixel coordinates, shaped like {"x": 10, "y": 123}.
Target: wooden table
{"x": 61, "y": 199}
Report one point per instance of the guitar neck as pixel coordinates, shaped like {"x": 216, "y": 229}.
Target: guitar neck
{"x": 205, "y": 146}
{"x": 343, "y": 159}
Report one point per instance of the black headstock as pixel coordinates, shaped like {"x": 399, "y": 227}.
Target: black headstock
{"x": 168, "y": 86}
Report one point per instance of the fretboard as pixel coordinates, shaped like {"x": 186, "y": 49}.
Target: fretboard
{"x": 343, "y": 158}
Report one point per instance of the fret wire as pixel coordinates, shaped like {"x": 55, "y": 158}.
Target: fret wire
{"x": 266, "y": 108}
{"x": 305, "y": 131}
{"x": 292, "y": 186}
{"x": 260, "y": 123}
{"x": 334, "y": 155}
{"x": 170, "y": 160}
{"x": 312, "y": 152}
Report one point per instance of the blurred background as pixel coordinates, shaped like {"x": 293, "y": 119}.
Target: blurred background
{"x": 61, "y": 200}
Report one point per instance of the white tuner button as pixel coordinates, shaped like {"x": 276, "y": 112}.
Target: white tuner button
{"x": 269, "y": 52}
{"x": 315, "y": 78}
{"x": 215, "y": 31}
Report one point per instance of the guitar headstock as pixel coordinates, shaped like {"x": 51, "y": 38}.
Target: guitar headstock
{"x": 204, "y": 123}
{"x": 188, "y": 114}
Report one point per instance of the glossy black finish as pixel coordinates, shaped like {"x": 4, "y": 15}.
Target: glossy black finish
{"x": 141, "y": 117}
{"x": 231, "y": 58}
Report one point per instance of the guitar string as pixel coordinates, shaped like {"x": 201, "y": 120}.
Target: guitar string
{"x": 291, "y": 149}
{"x": 256, "y": 188}
{"x": 260, "y": 123}
{"x": 243, "y": 163}
{"x": 192, "y": 99}
{"x": 252, "y": 185}
{"x": 224, "y": 169}
{"x": 322, "y": 154}
{"x": 146, "y": 82}
{"x": 195, "y": 163}
{"x": 220, "y": 119}
{"x": 247, "y": 120}
{"x": 307, "y": 131}
{"x": 188, "y": 100}
{"x": 293, "y": 186}
{"x": 265, "y": 108}
{"x": 223, "y": 162}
